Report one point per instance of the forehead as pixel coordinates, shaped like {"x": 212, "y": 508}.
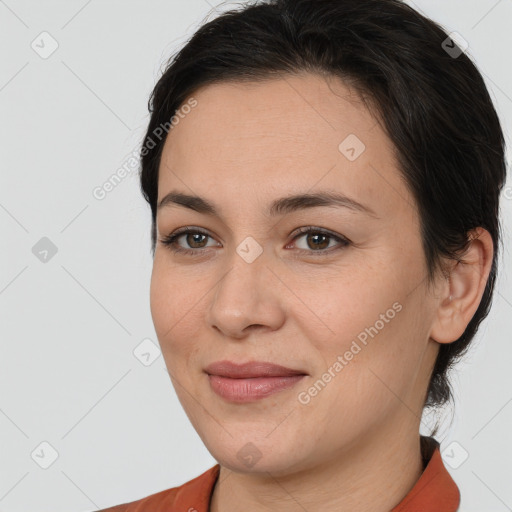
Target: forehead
{"x": 286, "y": 135}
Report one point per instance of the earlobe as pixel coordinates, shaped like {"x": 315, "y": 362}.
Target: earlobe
{"x": 464, "y": 288}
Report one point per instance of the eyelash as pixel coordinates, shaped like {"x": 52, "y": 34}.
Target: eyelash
{"x": 170, "y": 241}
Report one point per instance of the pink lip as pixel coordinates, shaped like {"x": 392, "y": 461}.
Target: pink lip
{"x": 250, "y": 370}
{"x": 250, "y": 381}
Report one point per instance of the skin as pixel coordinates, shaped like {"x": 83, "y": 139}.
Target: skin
{"x": 355, "y": 445}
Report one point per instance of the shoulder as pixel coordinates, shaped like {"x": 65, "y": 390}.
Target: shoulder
{"x": 194, "y": 494}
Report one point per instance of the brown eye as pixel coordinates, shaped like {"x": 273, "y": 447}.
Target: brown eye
{"x": 194, "y": 241}
{"x": 195, "y": 238}
{"x": 318, "y": 240}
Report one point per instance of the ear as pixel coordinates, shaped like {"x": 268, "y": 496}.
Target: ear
{"x": 462, "y": 292}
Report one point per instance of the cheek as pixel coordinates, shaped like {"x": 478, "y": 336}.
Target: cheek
{"x": 171, "y": 295}
{"x": 369, "y": 318}
{"x": 381, "y": 361}
{"x": 359, "y": 384}
{"x": 161, "y": 300}
{"x": 334, "y": 308}
{"x": 172, "y": 305}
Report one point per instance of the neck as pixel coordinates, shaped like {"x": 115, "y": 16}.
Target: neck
{"x": 375, "y": 474}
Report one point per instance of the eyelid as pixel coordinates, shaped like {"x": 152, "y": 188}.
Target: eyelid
{"x": 317, "y": 229}
{"x": 170, "y": 240}
{"x": 340, "y": 239}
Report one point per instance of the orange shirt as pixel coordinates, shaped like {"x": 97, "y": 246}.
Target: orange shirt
{"x": 435, "y": 490}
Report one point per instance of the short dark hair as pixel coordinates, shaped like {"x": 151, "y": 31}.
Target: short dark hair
{"x": 433, "y": 104}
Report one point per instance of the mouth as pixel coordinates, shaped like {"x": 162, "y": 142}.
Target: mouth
{"x": 250, "y": 381}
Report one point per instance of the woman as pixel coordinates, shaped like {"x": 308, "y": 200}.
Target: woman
{"x": 324, "y": 180}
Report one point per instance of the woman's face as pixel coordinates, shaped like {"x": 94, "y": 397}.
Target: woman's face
{"x": 355, "y": 317}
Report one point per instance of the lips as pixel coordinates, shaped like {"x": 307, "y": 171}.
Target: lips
{"x": 252, "y": 381}
{"x": 252, "y": 369}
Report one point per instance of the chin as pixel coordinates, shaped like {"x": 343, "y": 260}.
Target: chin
{"x": 254, "y": 454}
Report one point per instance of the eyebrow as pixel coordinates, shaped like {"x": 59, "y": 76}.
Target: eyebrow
{"x": 279, "y": 206}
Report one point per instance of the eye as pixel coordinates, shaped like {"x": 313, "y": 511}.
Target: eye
{"x": 319, "y": 239}
{"x": 194, "y": 236}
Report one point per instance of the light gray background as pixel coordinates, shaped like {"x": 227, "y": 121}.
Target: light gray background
{"x": 68, "y": 373}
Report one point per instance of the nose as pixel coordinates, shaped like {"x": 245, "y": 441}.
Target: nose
{"x": 248, "y": 297}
